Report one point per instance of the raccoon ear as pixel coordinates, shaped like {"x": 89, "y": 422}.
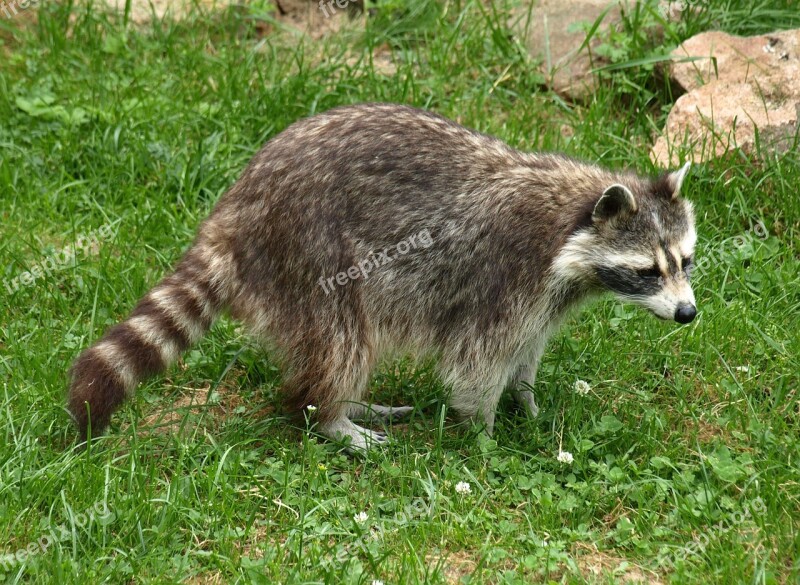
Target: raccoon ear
{"x": 675, "y": 179}
{"x": 615, "y": 201}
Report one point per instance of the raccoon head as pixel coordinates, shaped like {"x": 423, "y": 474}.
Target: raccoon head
{"x": 639, "y": 245}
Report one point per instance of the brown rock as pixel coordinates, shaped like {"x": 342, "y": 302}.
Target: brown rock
{"x": 720, "y": 56}
{"x": 142, "y": 12}
{"x": 307, "y": 17}
{"x": 743, "y": 91}
{"x": 553, "y": 34}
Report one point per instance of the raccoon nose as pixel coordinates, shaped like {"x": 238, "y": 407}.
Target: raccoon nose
{"x": 685, "y": 313}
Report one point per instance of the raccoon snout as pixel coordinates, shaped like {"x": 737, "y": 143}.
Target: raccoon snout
{"x": 685, "y": 313}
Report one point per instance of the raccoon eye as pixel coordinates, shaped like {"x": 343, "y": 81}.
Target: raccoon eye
{"x": 652, "y": 272}
{"x": 687, "y": 264}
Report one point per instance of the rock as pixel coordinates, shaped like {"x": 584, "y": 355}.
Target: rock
{"x": 742, "y": 91}
{"x": 308, "y": 17}
{"x": 316, "y": 19}
{"x": 738, "y": 59}
{"x": 553, "y": 34}
{"x": 143, "y": 11}
{"x": 555, "y": 30}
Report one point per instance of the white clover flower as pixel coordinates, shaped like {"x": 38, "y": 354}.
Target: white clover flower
{"x": 581, "y": 387}
{"x": 565, "y": 457}
{"x": 361, "y": 517}
{"x": 743, "y": 369}
{"x": 463, "y": 488}
{"x": 377, "y": 582}
{"x": 311, "y": 408}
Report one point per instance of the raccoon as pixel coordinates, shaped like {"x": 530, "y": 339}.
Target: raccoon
{"x": 312, "y": 250}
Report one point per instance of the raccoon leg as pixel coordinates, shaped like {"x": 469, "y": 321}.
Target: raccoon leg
{"x": 485, "y": 409}
{"x": 378, "y": 412}
{"x": 332, "y": 388}
{"x": 523, "y": 379}
{"x": 329, "y": 370}
{"x": 361, "y": 439}
{"x": 476, "y": 396}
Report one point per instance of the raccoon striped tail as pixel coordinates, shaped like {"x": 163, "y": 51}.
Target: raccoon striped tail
{"x": 166, "y": 321}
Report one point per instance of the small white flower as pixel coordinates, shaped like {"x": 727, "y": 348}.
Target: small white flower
{"x": 743, "y": 369}
{"x": 565, "y": 457}
{"x": 361, "y": 517}
{"x": 582, "y": 387}
{"x": 311, "y": 408}
{"x": 377, "y": 582}
{"x": 463, "y": 488}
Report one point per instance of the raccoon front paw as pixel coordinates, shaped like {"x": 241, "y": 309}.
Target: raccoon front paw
{"x": 526, "y": 399}
{"x": 378, "y": 412}
{"x": 360, "y": 439}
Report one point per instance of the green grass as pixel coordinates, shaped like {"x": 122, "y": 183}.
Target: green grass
{"x": 200, "y": 481}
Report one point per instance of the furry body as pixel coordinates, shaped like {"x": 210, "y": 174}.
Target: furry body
{"x": 514, "y": 240}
